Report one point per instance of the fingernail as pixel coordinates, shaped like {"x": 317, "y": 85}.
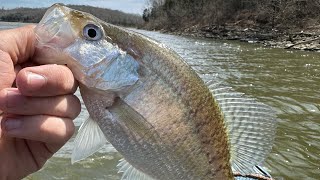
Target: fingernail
{"x": 36, "y": 80}
{"x": 13, "y": 98}
{"x": 11, "y": 124}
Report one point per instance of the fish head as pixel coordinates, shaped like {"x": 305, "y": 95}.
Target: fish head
{"x": 78, "y": 40}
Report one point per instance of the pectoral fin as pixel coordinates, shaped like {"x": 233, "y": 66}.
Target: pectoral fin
{"x": 89, "y": 139}
{"x": 133, "y": 121}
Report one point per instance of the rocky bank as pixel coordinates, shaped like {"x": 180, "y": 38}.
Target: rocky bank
{"x": 307, "y": 39}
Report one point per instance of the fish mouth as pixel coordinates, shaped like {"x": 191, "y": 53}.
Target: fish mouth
{"x": 54, "y": 30}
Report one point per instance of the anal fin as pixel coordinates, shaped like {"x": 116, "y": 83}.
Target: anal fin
{"x": 131, "y": 173}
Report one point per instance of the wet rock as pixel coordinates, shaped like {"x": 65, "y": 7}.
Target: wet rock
{"x": 301, "y": 40}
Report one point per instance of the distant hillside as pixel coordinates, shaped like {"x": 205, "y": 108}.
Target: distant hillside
{"x": 280, "y": 14}
{"x": 34, "y": 15}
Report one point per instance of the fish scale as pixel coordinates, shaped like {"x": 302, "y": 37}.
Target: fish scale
{"x": 151, "y": 106}
{"x": 196, "y": 99}
{"x": 137, "y": 150}
{"x": 155, "y": 88}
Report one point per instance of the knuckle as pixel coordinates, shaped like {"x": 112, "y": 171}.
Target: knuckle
{"x": 56, "y": 129}
{"x": 74, "y": 106}
{"x": 3, "y": 103}
{"x": 65, "y": 81}
{"x": 69, "y": 130}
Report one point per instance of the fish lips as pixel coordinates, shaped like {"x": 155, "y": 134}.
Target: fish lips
{"x": 54, "y": 30}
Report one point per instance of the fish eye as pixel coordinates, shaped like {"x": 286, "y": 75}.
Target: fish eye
{"x": 92, "y": 32}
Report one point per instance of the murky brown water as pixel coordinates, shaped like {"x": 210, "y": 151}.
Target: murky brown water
{"x": 289, "y": 81}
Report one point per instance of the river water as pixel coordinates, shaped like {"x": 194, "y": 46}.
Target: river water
{"x": 286, "y": 80}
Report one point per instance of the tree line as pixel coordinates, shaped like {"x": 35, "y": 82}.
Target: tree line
{"x": 34, "y": 15}
{"x": 165, "y": 14}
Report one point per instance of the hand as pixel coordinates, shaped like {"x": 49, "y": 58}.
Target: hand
{"x": 37, "y": 115}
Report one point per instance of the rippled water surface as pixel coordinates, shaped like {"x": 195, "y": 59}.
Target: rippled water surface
{"x": 289, "y": 81}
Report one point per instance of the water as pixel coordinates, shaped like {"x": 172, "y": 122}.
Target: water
{"x": 286, "y": 80}
{"x": 9, "y": 25}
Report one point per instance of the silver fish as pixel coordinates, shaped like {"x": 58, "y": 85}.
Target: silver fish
{"x": 151, "y": 106}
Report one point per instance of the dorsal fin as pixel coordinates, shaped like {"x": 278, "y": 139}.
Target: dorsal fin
{"x": 131, "y": 173}
{"x": 251, "y": 127}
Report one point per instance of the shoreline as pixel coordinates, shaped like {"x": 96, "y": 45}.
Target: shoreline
{"x": 307, "y": 39}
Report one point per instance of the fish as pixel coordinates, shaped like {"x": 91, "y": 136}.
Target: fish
{"x": 153, "y": 108}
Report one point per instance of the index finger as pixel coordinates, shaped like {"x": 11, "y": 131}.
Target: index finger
{"x": 18, "y": 43}
{"x": 16, "y": 46}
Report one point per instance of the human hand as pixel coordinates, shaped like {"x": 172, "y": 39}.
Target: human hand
{"x": 38, "y": 114}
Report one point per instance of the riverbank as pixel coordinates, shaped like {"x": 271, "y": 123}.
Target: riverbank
{"x": 34, "y": 15}
{"x": 307, "y": 39}
{"x": 287, "y": 24}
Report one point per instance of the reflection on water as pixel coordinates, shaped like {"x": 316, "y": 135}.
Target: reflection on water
{"x": 286, "y": 80}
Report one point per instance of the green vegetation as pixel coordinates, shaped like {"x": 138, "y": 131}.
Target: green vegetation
{"x": 281, "y": 14}
{"x": 34, "y": 15}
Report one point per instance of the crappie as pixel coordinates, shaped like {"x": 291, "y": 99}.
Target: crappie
{"x": 150, "y": 105}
